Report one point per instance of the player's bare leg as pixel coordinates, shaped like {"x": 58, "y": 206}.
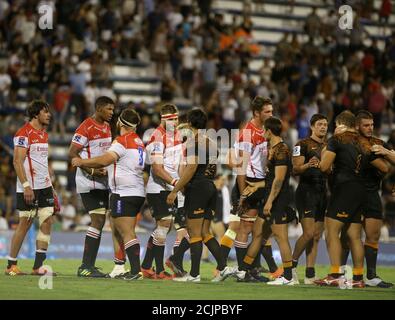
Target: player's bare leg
{"x": 181, "y": 245}
{"x": 354, "y": 234}
{"x": 372, "y": 230}
{"x": 16, "y": 244}
{"x": 311, "y": 253}
{"x": 126, "y": 228}
{"x": 280, "y": 233}
{"x": 308, "y": 226}
{"x": 159, "y": 242}
{"x": 229, "y": 237}
{"x": 119, "y": 252}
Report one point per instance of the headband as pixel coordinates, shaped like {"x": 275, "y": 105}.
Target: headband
{"x": 126, "y": 123}
{"x": 170, "y": 116}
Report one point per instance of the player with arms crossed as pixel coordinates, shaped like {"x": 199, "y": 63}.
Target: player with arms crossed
{"x": 35, "y": 196}
{"x": 125, "y": 160}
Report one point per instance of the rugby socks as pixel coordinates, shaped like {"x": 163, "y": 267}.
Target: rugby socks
{"x": 41, "y": 255}
{"x": 310, "y": 272}
{"x": 132, "y": 249}
{"x": 247, "y": 264}
{"x": 335, "y": 271}
{"x": 227, "y": 243}
{"x": 357, "y": 274}
{"x": 241, "y": 251}
{"x": 120, "y": 255}
{"x": 11, "y": 262}
{"x": 287, "y": 270}
{"x": 294, "y": 263}
{"x": 179, "y": 252}
{"x": 196, "y": 255}
{"x": 215, "y": 249}
{"x": 371, "y": 251}
{"x": 158, "y": 250}
{"x": 267, "y": 253}
{"x": 149, "y": 257}
{"x": 92, "y": 243}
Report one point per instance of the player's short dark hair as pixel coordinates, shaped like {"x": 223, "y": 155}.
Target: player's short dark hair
{"x": 168, "y": 108}
{"x": 197, "y": 118}
{"x": 274, "y": 125}
{"x": 363, "y": 114}
{"x": 130, "y": 116}
{"x": 35, "y": 107}
{"x": 317, "y": 117}
{"x": 259, "y": 102}
{"x": 103, "y": 101}
{"x": 347, "y": 118}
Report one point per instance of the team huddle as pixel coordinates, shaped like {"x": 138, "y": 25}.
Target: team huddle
{"x": 180, "y": 193}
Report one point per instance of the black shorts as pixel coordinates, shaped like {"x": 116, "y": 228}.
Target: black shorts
{"x": 43, "y": 198}
{"x": 374, "y": 207}
{"x": 347, "y": 202}
{"x": 281, "y": 212}
{"x": 200, "y": 199}
{"x": 125, "y": 206}
{"x": 95, "y": 199}
{"x": 252, "y": 202}
{"x": 311, "y": 202}
{"x": 158, "y": 206}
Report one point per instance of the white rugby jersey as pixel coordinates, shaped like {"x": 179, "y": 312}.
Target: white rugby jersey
{"x": 94, "y": 139}
{"x": 126, "y": 175}
{"x": 251, "y": 140}
{"x": 168, "y": 146}
{"x": 36, "y": 161}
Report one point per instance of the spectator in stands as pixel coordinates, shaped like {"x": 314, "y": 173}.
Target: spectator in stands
{"x": 5, "y": 84}
{"x": 313, "y": 24}
{"x": 188, "y": 55}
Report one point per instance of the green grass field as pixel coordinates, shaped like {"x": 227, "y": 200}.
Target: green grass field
{"x": 68, "y": 286}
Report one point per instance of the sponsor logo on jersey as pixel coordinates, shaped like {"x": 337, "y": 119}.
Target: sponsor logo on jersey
{"x": 296, "y": 151}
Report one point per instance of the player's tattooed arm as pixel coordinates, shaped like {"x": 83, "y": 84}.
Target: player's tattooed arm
{"x": 280, "y": 173}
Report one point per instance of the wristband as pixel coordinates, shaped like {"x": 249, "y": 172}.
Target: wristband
{"x": 26, "y": 184}
{"x": 174, "y": 182}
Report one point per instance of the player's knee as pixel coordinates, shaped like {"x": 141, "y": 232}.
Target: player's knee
{"x": 98, "y": 218}
{"x": 43, "y": 237}
{"x": 160, "y": 234}
{"x": 317, "y": 236}
{"x": 308, "y": 235}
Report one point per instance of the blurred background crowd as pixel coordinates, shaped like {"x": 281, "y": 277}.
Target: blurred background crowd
{"x": 190, "y": 53}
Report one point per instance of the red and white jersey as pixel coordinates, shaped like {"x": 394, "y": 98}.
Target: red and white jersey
{"x": 126, "y": 176}
{"x": 94, "y": 139}
{"x": 36, "y": 161}
{"x": 167, "y": 146}
{"x": 251, "y": 140}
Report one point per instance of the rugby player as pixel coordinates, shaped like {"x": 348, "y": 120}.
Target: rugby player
{"x": 278, "y": 196}
{"x": 251, "y": 150}
{"x": 373, "y": 213}
{"x": 349, "y": 156}
{"x": 91, "y": 139}
{"x": 35, "y": 195}
{"x": 310, "y": 195}
{"x": 125, "y": 159}
{"x": 165, "y": 154}
{"x": 200, "y": 197}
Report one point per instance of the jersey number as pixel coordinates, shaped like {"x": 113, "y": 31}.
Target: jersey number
{"x": 141, "y": 156}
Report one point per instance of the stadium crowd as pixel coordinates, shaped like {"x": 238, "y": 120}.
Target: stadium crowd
{"x": 197, "y": 56}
